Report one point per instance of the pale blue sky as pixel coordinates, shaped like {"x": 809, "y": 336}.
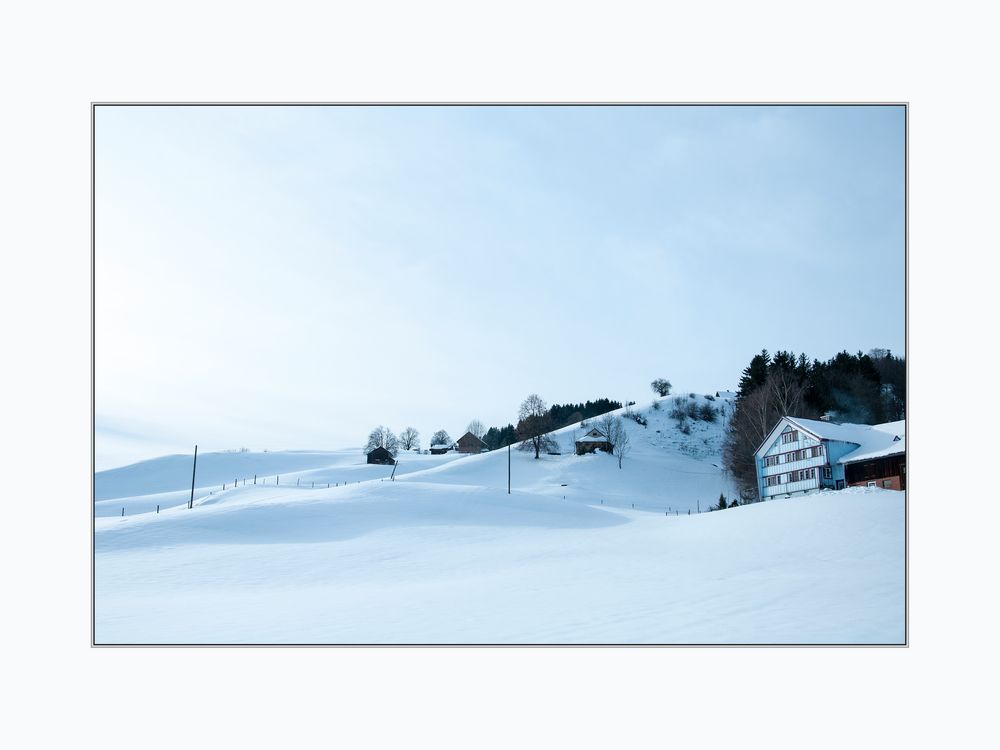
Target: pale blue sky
{"x": 291, "y": 277}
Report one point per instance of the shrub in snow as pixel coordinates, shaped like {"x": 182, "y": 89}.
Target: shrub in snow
{"x": 656, "y": 405}
{"x": 707, "y": 413}
{"x": 677, "y": 411}
{"x": 686, "y": 428}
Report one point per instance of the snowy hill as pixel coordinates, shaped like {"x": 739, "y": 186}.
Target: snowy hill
{"x": 171, "y": 475}
{"x": 443, "y": 554}
{"x": 665, "y": 464}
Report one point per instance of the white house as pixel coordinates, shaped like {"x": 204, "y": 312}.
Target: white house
{"x": 800, "y": 455}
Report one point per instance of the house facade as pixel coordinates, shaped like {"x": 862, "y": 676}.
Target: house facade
{"x": 803, "y": 455}
{"x": 470, "y": 443}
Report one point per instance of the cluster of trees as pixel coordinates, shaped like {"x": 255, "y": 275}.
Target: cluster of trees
{"x": 407, "y": 440}
{"x": 862, "y": 388}
{"x": 567, "y": 414}
{"x": 537, "y": 419}
{"x": 500, "y": 437}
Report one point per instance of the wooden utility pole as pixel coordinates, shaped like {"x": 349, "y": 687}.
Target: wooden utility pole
{"x": 194, "y": 469}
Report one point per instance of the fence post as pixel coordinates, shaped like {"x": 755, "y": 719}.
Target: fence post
{"x": 194, "y": 468}
{"x": 255, "y": 479}
{"x": 123, "y": 513}
{"x": 157, "y": 508}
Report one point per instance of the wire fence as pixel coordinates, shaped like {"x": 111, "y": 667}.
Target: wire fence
{"x": 665, "y": 508}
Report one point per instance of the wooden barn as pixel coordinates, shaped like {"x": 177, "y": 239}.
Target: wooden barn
{"x": 595, "y": 440}
{"x": 469, "y": 443}
{"x": 437, "y": 450}
{"x": 381, "y": 456}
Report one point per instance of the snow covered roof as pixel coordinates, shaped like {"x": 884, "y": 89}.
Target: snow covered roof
{"x": 873, "y": 441}
{"x": 438, "y": 446}
{"x": 592, "y": 439}
{"x": 896, "y": 428}
{"x": 898, "y": 446}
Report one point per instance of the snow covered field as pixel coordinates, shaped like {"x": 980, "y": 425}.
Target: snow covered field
{"x": 444, "y": 555}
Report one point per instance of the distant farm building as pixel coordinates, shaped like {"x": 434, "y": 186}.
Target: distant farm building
{"x": 440, "y": 448}
{"x": 594, "y": 440}
{"x": 381, "y": 456}
{"x": 800, "y": 455}
{"x": 470, "y": 443}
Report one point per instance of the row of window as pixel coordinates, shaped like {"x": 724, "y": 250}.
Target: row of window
{"x": 790, "y": 437}
{"x": 792, "y": 476}
{"x": 784, "y": 458}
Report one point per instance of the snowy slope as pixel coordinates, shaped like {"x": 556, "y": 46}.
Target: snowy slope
{"x": 445, "y": 555}
{"x": 169, "y": 477}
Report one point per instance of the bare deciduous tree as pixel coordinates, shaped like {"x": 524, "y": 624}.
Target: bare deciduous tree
{"x": 382, "y": 437}
{"x": 533, "y": 423}
{"x": 609, "y": 425}
{"x": 477, "y": 428}
{"x": 409, "y": 439}
{"x": 661, "y": 387}
{"x": 623, "y": 443}
{"x": 441, "y": 437}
